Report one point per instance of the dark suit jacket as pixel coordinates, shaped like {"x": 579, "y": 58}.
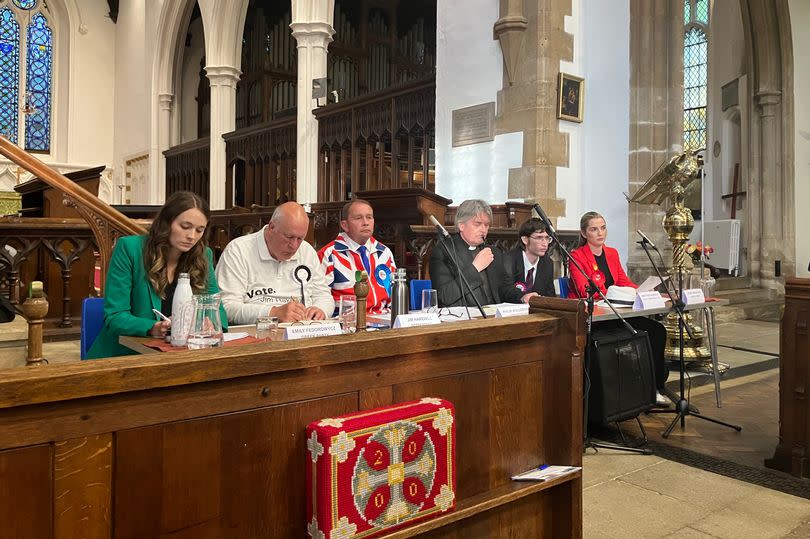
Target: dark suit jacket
{"x": 445, "y": 280}
{"x": 544, "y": 274}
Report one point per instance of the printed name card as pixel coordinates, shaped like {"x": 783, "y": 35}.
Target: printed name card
{"x": 413, "y": 320}
{"x": 517, "y": 309}
{"x": 692, "y": 296}
{"x": 648, "y": 300}
{"x": 311, "y": 330}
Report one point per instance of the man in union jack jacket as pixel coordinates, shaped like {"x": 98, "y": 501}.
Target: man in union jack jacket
{"x": 356, "y": 249}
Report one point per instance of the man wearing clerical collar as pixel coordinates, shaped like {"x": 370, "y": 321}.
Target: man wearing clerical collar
{"x": 481, "y": 264}
{"x": 355, "y": 249}
{"x": 529, "y": 265}
{"x": 274, "y": 272}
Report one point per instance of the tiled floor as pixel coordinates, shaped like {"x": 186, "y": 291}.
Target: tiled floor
{"x": 628, "y": 496}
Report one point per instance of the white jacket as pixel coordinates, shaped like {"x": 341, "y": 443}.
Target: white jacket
{"x": 252, "y": 281}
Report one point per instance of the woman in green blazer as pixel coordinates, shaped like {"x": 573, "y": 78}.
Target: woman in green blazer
{"x": 143, "y": 274}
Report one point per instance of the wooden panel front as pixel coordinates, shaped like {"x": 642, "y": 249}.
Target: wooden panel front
{"x": 26, "y": 492}
{"x": 792, "y": 454}
{"x": 213, "y": 477}
{"x": 212, "y": 443}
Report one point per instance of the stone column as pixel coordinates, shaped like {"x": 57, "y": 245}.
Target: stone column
{"x": 223, "y": 81}
{"x": 313, "y": 38}
{"x": 165, "y": 110}
{"x": 533, "y": 42}
{"x": 656, "y": 113}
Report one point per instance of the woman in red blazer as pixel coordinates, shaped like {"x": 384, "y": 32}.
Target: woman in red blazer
{"x": 599, "y": 261}
{"x": 603, "y": 266}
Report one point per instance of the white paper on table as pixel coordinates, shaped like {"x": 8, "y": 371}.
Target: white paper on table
{"x": 236, "y": 335}
{"x": 651, "y": 282}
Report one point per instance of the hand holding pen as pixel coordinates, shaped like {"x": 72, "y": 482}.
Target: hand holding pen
{"x": 161, "y": 327}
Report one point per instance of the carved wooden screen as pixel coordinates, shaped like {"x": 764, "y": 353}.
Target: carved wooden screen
{"x": 380, "y": 44}
{"x": 261, "y": 164}
{"x": 358, "y": 151}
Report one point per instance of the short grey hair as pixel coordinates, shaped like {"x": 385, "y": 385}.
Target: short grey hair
{"x": 471, "y": 208}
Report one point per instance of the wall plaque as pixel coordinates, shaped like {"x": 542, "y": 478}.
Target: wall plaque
{"x": 474, "y": 124}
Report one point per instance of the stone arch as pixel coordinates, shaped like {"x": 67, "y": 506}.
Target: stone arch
{"x": 174, "y": 18}
{"x": 770, "y": 166}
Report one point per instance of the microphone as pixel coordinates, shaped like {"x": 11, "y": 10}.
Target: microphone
{"x": 645, "y": 238}
{"x": 544, "y": 218}
{"x": 439, "y": 227}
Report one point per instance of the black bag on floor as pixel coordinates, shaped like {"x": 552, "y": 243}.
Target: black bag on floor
{"x": 621, "y": 374}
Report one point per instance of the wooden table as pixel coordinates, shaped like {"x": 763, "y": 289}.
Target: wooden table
{"x": 137, "y": 344}
{"x": 211, "y": 443}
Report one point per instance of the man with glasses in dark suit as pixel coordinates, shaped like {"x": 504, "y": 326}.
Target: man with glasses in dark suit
{"x": 529, "y": 265}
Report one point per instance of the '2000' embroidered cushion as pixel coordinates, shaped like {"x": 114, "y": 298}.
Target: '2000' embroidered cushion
{"x": 374, "y": 471}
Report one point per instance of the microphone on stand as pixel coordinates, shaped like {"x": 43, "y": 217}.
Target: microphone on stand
{"x": 544, "y": 218}
{"x": 645, "y": 238}
{"x": 439, "y": 227}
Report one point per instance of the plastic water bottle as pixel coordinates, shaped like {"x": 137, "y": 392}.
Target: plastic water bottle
{"x": 181, "y": 316}
{"x": 399, "y": 295}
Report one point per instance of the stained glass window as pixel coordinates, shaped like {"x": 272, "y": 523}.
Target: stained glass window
{"x": 695, "y": 73}
{"x": 26, "y": 72}
{"x": 38, "y": 85}
{"x": 25, "y": 4}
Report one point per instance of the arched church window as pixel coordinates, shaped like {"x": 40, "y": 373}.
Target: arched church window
{"x": 26, "y": 39}
{"x": 695, "y": 73}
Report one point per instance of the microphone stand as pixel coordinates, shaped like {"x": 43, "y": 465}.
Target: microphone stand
{"x": 592, "y": 289}
{"x": 463, "y": 279}
{"x": 682, "y": 408}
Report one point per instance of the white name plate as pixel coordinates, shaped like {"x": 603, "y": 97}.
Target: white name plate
{"x": 416, "y": 319}
{"x": 311, "y": 330}
{"x": 648, "y": 300}
{"x": 692, "y": 296}
{"x": 517, "y": 309}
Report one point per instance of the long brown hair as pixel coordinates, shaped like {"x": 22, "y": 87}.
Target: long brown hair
{"x": 583, "y": 225}
{"x": 155, "y": 251}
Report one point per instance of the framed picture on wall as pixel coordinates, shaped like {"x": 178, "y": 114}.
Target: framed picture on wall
{"x": 570, "y": 97}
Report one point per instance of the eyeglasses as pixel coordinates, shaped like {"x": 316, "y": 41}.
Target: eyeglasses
{"x": 543, "y": 239}
{"x": 444, "y": 311}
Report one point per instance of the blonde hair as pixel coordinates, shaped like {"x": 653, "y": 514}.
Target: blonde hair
{"x": 583, "y": 225}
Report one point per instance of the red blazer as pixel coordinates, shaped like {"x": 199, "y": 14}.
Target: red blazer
{"x": 585, "y": 258}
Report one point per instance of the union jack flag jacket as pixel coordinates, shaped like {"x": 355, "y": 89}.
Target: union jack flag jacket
{"x": 341, "y": 258}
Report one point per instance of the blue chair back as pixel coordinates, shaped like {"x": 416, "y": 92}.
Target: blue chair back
{"x": 562, "y": 285}
{"x": 92, "y": 320}
{"x": 417, "y": 285}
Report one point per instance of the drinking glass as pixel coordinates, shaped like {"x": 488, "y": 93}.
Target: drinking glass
{"x": 265, "y": 326}
{"x": 347, "y": 313}
{"x": 430, "y": 300}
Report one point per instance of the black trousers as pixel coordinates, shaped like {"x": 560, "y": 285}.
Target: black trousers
{"x": 658, "y": 342}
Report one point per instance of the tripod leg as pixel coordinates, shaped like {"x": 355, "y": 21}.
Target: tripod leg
{"x": 671, "y": 426}
{"x": 717, "y": 421}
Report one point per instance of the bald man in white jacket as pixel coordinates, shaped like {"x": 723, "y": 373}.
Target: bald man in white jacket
{"x": 257, "y": 272}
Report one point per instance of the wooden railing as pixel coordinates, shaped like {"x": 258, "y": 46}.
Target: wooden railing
{"x": 261, "y": 164}
{"x": 381, "y": 140}
{"x": 188, "y": 166}
{"x": 106, "y": 223}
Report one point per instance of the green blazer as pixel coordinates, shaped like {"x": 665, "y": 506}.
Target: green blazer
{"x": 129, "y": 298}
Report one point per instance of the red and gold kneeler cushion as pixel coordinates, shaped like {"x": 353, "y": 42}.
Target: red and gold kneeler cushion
{"x": 372, "y": 472}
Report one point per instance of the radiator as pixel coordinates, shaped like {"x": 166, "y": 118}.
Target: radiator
{"x": 724, "y": 236}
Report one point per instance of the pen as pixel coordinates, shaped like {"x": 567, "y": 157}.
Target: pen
{"x": 542, "y": 467}
{"x": 161, "y": 315}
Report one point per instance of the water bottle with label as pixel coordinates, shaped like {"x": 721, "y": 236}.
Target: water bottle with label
{"x": 180, "y": 322}
{"x": 399, "y": 295}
